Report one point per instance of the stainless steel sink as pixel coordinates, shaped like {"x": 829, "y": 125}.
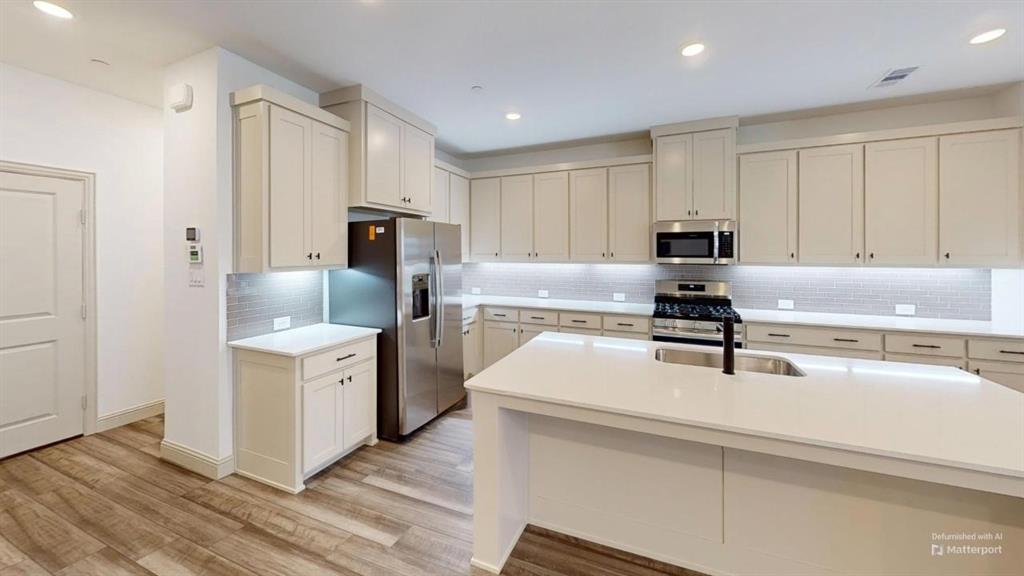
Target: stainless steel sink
{"x": 744, "y": 363}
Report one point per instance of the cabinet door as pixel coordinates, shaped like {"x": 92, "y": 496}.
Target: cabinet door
{"x": 528, "y": 332}
{"x": 768, "y": 208}
{"x": 417, "y": 168}
{"x": 359, "y": 390}
{"x": 517, "y": 218}
{"x": 551, "y": 217}
{"x": 1009, "y": 376}
{"x": 472, "y": 349}
{"x": 383, "y": 158}
{"x": 440, "y": 207}
{"x": 500, "y": 339}
{"x": 629, "y": 213}
{"x": 832, "y": 204}
{"x": 458, "y": 211}
{"x": 901, "y": 201}
{"x": 328, "y": 213}
{"x": 290, "y": 161}
{"x": 588, "y": 215}
{"x": 980, "y": 198}
{"x": 714, "y": 174}
{"x": 323, "y": 414}
{"x": 485, "y": 219}
{"x": 673, "y": 183}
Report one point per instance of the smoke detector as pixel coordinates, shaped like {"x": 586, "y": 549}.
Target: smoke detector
{"x": 894, "y": 76}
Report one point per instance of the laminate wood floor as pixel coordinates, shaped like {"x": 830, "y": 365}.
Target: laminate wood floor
{"x": 106, "y": 505}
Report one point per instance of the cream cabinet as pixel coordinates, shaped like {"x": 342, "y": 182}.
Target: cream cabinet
{"x": 588, "y": 215}
{"x": 485, "y": 219}
{"x": 901, "y": 197}
{"x": 629, "y": 213}
{"x": 440, "y": 210}
{"x": 980, "y": 199}
{"x": 383, "y": 159}
{"x": 695, "y": 175}
{"x": 291, "y": 184}
{"x": 831, "y": 205}
{"x": 417, "y": 168}
{"x": 1008, "y": 374}
{"x": 551, "y": 217}
{"x": 517, "y": 218}
{"x": 472, "y": 344}
{"x": 500, "y": 339}
{"x": 458, "y": 194}
{"x": 336, "y": 414}
{"x": 768, "y": 208}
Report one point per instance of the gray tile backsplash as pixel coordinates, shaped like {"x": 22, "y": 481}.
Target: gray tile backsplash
{"x": 937, "y": 293}
{"x": 254, "y": 300}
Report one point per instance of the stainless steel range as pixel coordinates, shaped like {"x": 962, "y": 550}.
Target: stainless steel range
{"x": 691, "y": 312}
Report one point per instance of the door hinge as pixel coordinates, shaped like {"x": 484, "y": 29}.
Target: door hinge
{"x": 81, "y": 216}
{"x": 85, "y": 401}
{"x": 83, "y": 312}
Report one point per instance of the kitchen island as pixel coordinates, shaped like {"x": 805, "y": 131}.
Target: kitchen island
{"x": 858, "y": 466}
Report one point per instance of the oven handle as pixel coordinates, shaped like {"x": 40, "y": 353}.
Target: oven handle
{"x": 714, "y": 248}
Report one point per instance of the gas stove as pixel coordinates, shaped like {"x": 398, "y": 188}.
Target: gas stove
{"x": 692, "y": 311}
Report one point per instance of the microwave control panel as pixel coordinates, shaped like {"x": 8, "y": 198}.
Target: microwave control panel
{"x": 726, "y": 245}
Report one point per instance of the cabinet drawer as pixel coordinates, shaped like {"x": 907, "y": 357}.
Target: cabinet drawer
{"x": 336, "y": 358}
{"x": 934, "y": 360}
{"x": 1005, "y": 350}
{"x": 469, "y": 316}
{"x": 545, "y": 317}
{"x": 575, "y": 320}
{"x": 627, "y": 324}
{"x": 501, "y": 314}
{"x": 816, "y": 351}
{"x": 813, "y": 336}
{"x": 583, "y": 331}
{"x": 626, "y": 335}
{"x": 927, "y": 345}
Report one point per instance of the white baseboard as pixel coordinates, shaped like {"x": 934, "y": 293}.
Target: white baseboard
{"x": 129, "y": 415}
{"x": 196, "y": 461}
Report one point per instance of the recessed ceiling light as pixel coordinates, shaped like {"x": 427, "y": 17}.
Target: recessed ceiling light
{"x": 692, "y": 49}
{"x": 53, "y": 9}
{"x": 988, "y": 36}
{"x": 513, "y": 116}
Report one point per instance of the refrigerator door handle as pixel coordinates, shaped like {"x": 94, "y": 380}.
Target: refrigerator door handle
{"x": 439, "y": 299}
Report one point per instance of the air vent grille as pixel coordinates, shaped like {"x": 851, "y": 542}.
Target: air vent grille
{"x": 894, "y": 76}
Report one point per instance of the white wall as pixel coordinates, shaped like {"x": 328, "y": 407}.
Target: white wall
{"x": 569, "y": 152}
{"x": 53, "y": 123}
{"x": 198, "y": 184}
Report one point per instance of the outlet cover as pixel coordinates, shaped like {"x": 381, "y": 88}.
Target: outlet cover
{"x": 906, "y": 309}
{"x": 474, "y": 290}
{"x": 542, "y": 293}
{"x": 785, "y": 304}
{"x": 618, "y": 296}
{"x": 282, "y": 322}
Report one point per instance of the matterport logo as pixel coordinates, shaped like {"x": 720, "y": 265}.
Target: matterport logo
{"x": 967, "y": 544}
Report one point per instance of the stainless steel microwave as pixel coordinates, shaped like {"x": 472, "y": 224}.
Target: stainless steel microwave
{"x": 695, "y": 242}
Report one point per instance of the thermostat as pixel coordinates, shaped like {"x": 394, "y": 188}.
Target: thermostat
{"x": 195, "y": 253}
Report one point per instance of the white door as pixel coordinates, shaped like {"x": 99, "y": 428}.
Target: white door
{"x": 901, "y": 201}
{"x": 458, "y": 211}
{"x": 323, "y": 414}
{"x": 629, "y": 213}
{"x": 359, "y": 392}
{"x": 980, "y": 198}
{"x": 383, "y": 158}
{"x": 588, "y": 215}
{"x": 831, "y": 205}
{"x": 328, "y": 216}
{"x": 417, "y": 168}
{"x": 551, "y": 217}
{"x": 517, "y": 218}
{"x": 714, "y": 174}
{"x": 500, "y": 339}
{"x": 673, "y": 183}
{"x": 290, "y": 171}
{"x": 439, "y": 207}
{"x": 42, "y": 333}
{"x": 485, "y": 219}
{"x": 768, "y": 206}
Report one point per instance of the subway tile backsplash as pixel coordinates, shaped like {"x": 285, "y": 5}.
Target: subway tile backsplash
{"x": 254, "y": 300}
{"x": 937, "y": 293}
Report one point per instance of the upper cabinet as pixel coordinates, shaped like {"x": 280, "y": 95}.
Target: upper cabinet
{"x": 291, "y": 183}
{"x": 392, "y": 155}
{"x": 588, "y": 215}
{"x": 440, "y": 209}
{"x": 485, "y": 219}
{"x": 517, "y": 218}
{"x": 768, "y": 208}
{"x": 831, "y": 205}
{"x": 695, "y": 174}
{"x": 980, "y": 198}
{"x": 451, "y": 201}
{"x": 629, "y": 213}
{"x": 551, "y": 217}
{"x": 901, "y": 197}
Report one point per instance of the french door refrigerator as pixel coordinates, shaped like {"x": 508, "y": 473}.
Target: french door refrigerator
{"x": 405, "y": 277}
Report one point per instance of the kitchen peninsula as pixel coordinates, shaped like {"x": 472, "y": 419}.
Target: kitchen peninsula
{"x": 751, "y": 473}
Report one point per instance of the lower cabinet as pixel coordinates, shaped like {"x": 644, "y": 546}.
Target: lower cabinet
{"x": 472, "y": 346}
{"x": 500, "y": 339}
{"x": 1009, "y": 374}
{"x": 922, "y": 359}
{"x": 814, "y": 350}
{"x": 295, "y": 416}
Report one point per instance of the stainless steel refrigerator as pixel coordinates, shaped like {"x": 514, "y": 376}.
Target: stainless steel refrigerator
{"x": 405, "y": 277}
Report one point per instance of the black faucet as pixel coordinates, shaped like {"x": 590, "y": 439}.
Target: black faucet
{"x": 728, "y": 345}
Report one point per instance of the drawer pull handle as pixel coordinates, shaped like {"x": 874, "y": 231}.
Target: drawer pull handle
{"x": 536, "y": 317}
{"x": 346, "y": 357}
{"x": 579, "y": 321}
{"x": 1011, "y": 352}
{"x": 778, "y": 335}
{"x": 845, "y": 340}
{"x": 624, "y": 324}
{"x": 932, "y": 346}
{"x": 499, "y": 315}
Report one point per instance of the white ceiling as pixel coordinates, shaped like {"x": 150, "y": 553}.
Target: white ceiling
{"x": 573, "y": 69}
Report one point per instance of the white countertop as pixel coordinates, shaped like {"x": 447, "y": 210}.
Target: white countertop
{"x": 305, "y": 340}
{"x": 932, "y": 414}
{"x": 1009, "y": 329}
{"x": 598, "y": 306}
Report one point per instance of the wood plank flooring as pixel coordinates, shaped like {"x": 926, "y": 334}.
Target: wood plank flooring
{"x": 106, "y": 505}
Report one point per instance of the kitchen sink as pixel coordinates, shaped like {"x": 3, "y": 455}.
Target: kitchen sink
{"x": 744, "y": 363}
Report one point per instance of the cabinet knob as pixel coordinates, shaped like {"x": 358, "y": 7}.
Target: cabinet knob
{"x": 613, "y": 254}
{"x": 602, "y": 254}
{"x": 349, "y": 378}
{"x": 309, "y": 256}
{"x": 947, "y": 255}
{"x": 857, "y": 256}
{"x": 872, "y": 255}
{"x": 688, "y": 213}
{"x": 696, "y": 212}
{"x": 792, "y": 254}
{"x": 317, "y": 255}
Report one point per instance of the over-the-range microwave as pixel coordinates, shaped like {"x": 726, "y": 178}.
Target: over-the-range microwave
{"x": 695, "y": 242}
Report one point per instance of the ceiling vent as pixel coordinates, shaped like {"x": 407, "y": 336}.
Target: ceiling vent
{"x": 894, "y": 76}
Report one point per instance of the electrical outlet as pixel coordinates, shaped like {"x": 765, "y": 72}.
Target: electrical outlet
{"x": 282, "y": 322}
{"x": 785, "y": 304}
{"x": 618, "y": 297}
{"x": 474, "y": 290}
{"x": 906, "y": 309}
{"x": 542, "y": 293}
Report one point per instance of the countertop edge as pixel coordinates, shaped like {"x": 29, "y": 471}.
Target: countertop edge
{"x": 235, "y": 344}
